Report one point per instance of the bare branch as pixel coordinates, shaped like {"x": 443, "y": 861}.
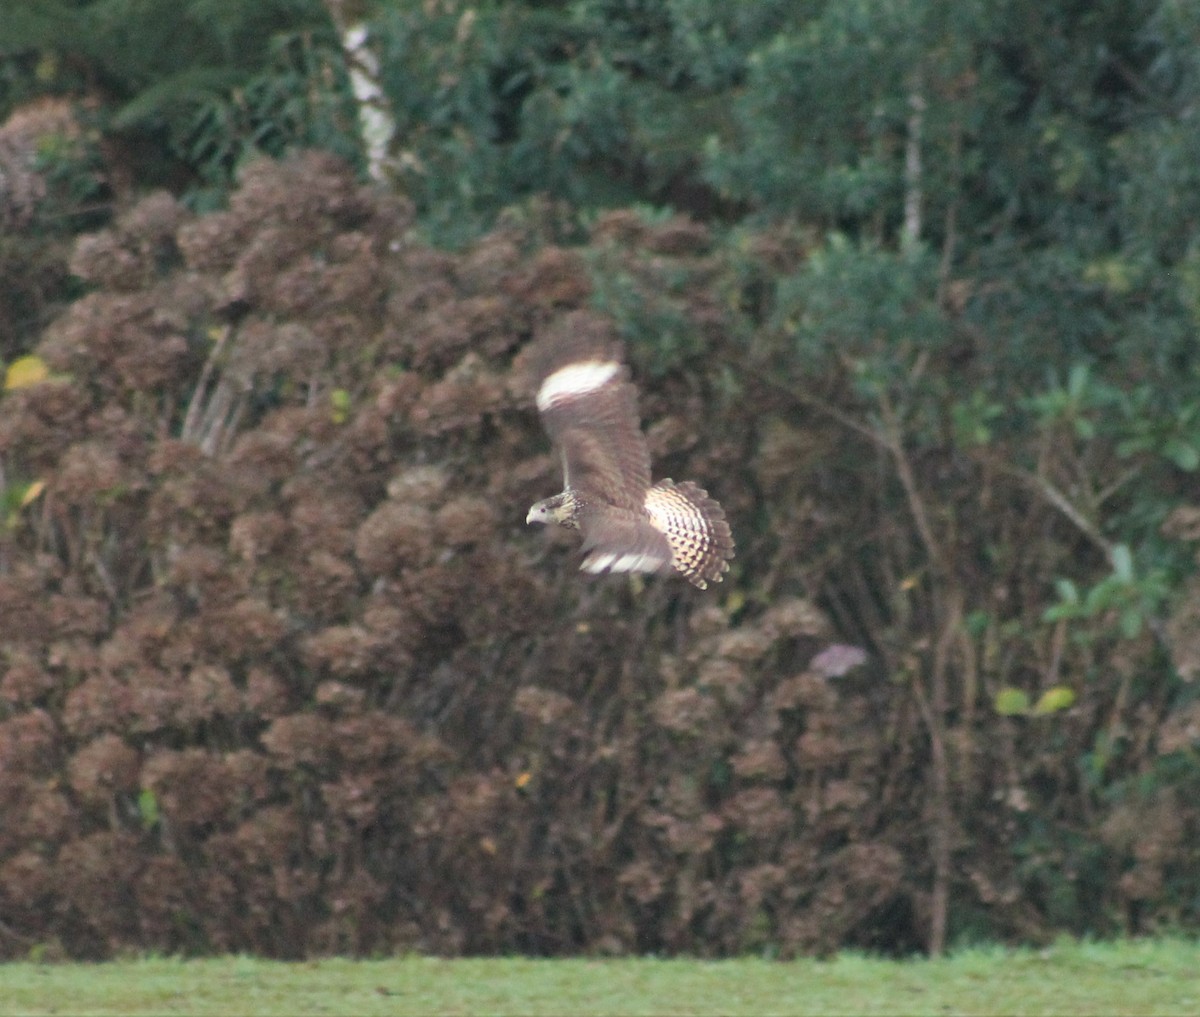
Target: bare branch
{"x": 1051, "y": 494}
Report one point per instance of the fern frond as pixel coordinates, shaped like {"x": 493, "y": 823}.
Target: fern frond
{"x": 179, "y": 92}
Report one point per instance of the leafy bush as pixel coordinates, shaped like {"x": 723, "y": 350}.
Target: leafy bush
{"x": 283, "y": 673}
{"x": 280, "y": 676}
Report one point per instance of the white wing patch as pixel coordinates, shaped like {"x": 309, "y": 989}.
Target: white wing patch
{"x": 622, "y": 563}
{"x": 575, "y": 380}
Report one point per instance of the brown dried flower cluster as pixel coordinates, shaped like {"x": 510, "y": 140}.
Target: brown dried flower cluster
{"x": 276, "y": 645}
{"x": 281, "y": 670}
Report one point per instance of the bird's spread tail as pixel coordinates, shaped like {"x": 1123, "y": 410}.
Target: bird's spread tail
{"x": 695, "y": 527}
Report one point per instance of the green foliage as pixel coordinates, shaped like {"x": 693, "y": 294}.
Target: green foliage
{"x": 865, "y": 310}
{"x": 599, "y": 105}
{"x": 287, "y": 105}
{"x": 1133, "y": 600}
{"x": 212, "y": 82}
{"x": 1015, "y": 702}
{"x": 148, "y": 811}
{"x": 836, "y": 160}
{"x": 37, "y": 25}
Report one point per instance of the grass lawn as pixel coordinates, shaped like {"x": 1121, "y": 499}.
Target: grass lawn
{"x": 1144, "y": 977}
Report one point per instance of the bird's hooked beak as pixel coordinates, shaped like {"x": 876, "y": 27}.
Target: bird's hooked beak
{"x": 546, "y": 511}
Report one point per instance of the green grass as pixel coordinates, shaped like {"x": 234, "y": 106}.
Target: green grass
{"x": 1144, "y": 977}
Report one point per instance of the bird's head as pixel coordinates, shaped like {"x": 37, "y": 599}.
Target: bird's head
{"x": 559, "y": 509}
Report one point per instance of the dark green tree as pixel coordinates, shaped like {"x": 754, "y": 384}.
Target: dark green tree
{"x": 192, "y": 89}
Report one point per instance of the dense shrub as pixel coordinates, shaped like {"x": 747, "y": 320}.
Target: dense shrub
{"x": 51, "y": 186}
{"x": 283, "y": 671}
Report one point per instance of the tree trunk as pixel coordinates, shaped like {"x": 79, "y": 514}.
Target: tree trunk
{"x": 377, "y": 125}
{"x": 912, "y": 172}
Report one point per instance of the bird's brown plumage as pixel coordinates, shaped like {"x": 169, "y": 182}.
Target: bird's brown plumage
{"x": 589, "y": 408}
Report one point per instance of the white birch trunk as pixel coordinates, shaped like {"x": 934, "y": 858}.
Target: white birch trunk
{"x": 912, "y": 173}
{"x": 376, "y": 124}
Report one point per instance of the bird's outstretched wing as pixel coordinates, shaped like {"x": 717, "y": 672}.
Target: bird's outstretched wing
{"x": 616, "y": 540}
{"x": 589, "y": 409}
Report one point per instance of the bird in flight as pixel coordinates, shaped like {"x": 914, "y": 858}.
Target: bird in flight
{"x": 589, "y": 408}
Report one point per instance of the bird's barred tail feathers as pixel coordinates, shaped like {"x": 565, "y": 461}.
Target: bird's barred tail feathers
{"x": 695, "y": 527}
